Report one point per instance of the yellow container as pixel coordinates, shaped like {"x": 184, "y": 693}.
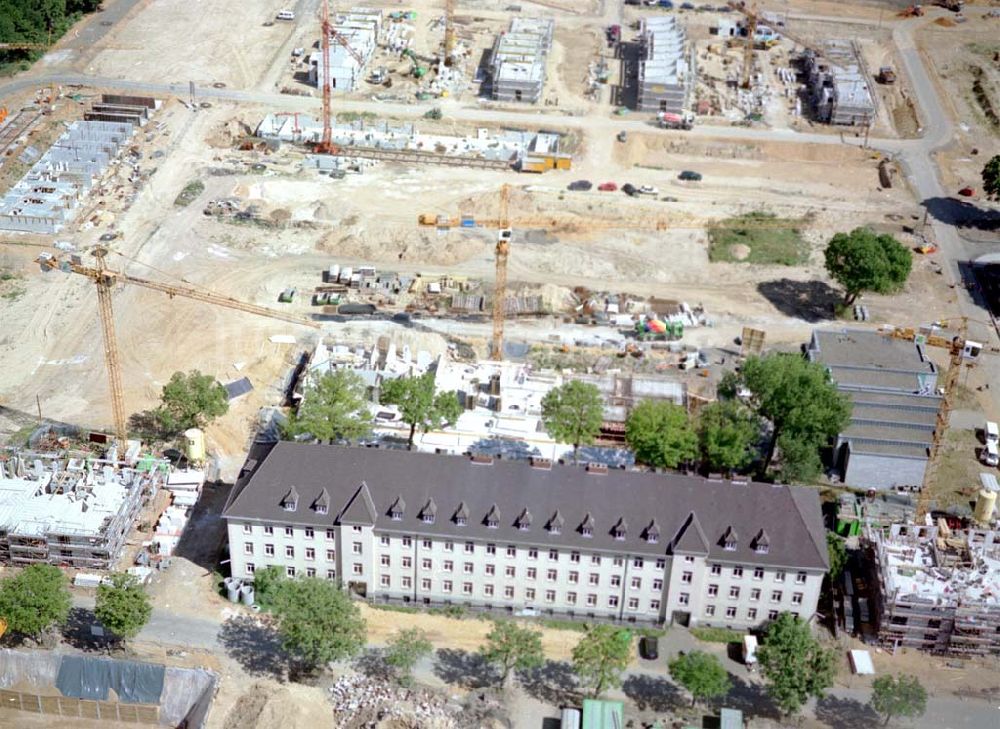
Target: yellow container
{"x": 986, "y": 502}
{"x": 194, "y": 446}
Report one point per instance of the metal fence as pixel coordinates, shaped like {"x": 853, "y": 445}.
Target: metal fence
{"x": 79, "y": 708}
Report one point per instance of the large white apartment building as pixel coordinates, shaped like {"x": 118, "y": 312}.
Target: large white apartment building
{"x": 509, "y": 535}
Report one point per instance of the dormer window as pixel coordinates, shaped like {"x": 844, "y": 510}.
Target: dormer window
{"x": 429, "y": 512}
{"x": 492, "y": 520}
{"x": 523, "y": 522}
{"x": 461, "y": 517}
{"x": 291, "y": 500}
{"x": 652, "y": 534}
{"x": 587, "y": 531}
{"x": 397, "y": 509}
{"x": 322, "y": 503}
{"x": 729, "y": 540}
{"x": 619, "y": 529}
{"x": 761, "y": 543}
{"x": 555, "y": 524}
{"x": 587, "y": 526}
{"x": 461, "y": 520}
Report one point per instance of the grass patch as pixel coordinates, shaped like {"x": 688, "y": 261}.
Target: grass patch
{"x": 757, "y": 241}
{"x": 11, "y": 288}
{"x": 557, "y": 624}
{"x": 191, "y": 191}
{"x": 956, "y": 478}
{"x": 717, "y": 635}
{"x": 456, "y": 612}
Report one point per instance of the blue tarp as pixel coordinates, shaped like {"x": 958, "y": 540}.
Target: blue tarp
{"x": 83, "y": 677}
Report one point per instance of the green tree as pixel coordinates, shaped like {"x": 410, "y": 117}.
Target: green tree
{"x": 701, "y": 674}
{"x": 800, "y": 401}
{"x": 728, "y": 433}
{"x": 838, "y": 555}
{"x": 189, "y": 401}
{"x": 898, "y": 696}
{"x": 34, "y": 600}
{"x": 267, "y": 583}
{"x": 600, "y": 657}
{"x": 333, "y": 408}
{"x": 795, "y": 664}
{"x": 661, "y": 434}
{"x": 123, "y": 607}
{"x": 573, "y": 413}
{"x": 418, "y": 405}
{"x": 511, "y": 647}
{"x": 404, "y": 649}
{"x": 864, "y": 260}
{"x": 317, "y": 621}
{"x": 991, "y": 178}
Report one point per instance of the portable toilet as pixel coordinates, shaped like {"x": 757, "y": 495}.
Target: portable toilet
{"x": 194, "y": 445}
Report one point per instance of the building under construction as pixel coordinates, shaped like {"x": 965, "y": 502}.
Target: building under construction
{"x": 935, "y": 588}
{"x": 518, "y": 60}
{"x": 839, "y": 87}
{"x": 666, "y": 70}
{"x": 73, "y": 512}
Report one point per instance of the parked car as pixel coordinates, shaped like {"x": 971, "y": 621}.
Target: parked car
{"x": 629, "y": 189}
{"x": 622, "y": 136}
{"x": 648, "y": 190}
{"x": 665, "y": 4}
{"x": 649, "y": 648}
{"x": 689, "y": 175}
{"x": 687, "y": 6}
{"x": 580, "y": 185}
{"x": 285, "y": 15}
{"x": 607, "y": 187}
{"x": 967, "y": 192}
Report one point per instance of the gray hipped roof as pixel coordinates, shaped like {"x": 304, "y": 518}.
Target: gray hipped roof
{"x": 692, "y": 514}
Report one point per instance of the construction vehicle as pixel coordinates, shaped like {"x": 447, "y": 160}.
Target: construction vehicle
{"x": 913, "y": 11}
{"x": 504, "y": 225}
{"x": 107, "y": 279}
{"x": 954, "y": 6}
{"x": 3, "y": 114}
{"x": 886, "y": 75}
{"x": 667, "y": 120}
{"x": 416, "y": 70}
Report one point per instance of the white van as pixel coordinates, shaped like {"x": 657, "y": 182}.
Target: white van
{"x": 285, "y": 15}
{"x": 991, "y": 457}
{"x": 991, "y": 432}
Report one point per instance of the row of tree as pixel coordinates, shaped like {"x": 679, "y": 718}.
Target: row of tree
{"x": 319, "y": 623}
{"x": 39, "y": 21}
{"x": 36, "y": 601}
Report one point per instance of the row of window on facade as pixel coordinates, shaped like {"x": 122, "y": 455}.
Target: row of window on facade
{"x": 290, "y": 571}
{"x": 530, "y": 594}
{"x": 684, "y": 598}
{"x": 737, "y": 573}
{"x": 732, "y": 613}
{"x": 309, "y": 532}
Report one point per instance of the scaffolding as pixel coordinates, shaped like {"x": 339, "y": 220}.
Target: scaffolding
{"x": 69, "y": 511}
{"x": 936, "y": 589}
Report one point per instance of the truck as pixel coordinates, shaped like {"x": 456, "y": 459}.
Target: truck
{"x": 668, "y": 120}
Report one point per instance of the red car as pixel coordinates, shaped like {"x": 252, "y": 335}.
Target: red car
{"x": 967, "y": 192}
{"x": 607, "y": 187}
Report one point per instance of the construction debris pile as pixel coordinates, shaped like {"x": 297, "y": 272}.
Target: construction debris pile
{"x": 937, "y": 588}
{"x": 71, "y": 508}
{"x": 364, "y": 702}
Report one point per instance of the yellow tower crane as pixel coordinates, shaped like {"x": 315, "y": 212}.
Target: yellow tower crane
{"x": 449, "y": 31}
{"x": 106, "y": 279}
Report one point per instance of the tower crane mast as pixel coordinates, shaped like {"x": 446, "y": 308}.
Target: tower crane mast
{"x": 106, "y": 279}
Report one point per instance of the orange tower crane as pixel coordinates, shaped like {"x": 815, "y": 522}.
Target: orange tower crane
{"x": 449, "y": 31}
{"x": 326, "y": 145}
{"x": 106, "y": 279}
{"x": 500, "y": 282}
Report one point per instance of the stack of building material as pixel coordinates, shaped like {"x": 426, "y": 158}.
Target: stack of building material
{"x": 185, "y": 486}
{"x": 169, "y": 529}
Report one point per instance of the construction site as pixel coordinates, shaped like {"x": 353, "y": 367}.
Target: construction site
{"x": 512, "y": 199}
{"x": 938, "y": 589}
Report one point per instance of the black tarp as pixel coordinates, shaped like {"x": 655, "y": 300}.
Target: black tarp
{"x": 83, "y": 677}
